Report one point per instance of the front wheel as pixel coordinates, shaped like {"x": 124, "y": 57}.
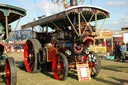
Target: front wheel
{"x": 60, "y": 66}
{"x": 10, "y": 69}
{"x": 94, "y": 63}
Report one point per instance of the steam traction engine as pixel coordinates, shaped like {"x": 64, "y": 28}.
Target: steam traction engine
{"x": 66, "y": 43}
{"x": 8, "y": 14}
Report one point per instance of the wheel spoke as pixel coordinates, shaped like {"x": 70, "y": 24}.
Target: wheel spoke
{"x": 31, "y": 66}
{"x": 30, "y": 62}
{"x": 92, "y": 71}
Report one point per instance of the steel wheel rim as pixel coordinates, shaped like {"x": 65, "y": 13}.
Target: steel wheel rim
{"x": 58, "y": 67}
{"x": 8, "y": 73}
{"x": 29, "y": 56}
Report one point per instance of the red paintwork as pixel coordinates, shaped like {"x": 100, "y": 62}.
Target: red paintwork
{"x": 51, "y": 53}
{"x": 89, "y": 39}
{"x": 26, "y": 58}
{"x": 91, "y": 63}
{"x": 8, "y": 75}
{"x": 58, "y": 15}
{"x": 57, "y": 67}
{"x": 3, "y": 44}
{"x": 85, "y": 59}
{"x": 78, "y": 51}
{"x": 118, "y": 38}
{"x": 80, "y": 9}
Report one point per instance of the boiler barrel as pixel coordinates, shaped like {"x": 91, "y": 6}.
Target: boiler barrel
{"x": 64, "y": 45}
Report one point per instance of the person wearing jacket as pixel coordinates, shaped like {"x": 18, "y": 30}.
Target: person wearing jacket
{"x": 117, "y": 52}
{"x": 123, "y": 50}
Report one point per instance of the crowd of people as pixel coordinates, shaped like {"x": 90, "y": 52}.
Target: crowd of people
{"x": 120, "y": 51}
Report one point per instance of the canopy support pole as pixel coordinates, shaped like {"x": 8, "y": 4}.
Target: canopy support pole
{"x": 6, "y": 21}
{"x": 103, "y": 22}
{"x": 47, "y": 28}
{"x": 72, "y": 25}
{"x": 15, "y": 28}
{"x": 55, "y": 25}
{"x": 96, "y": 23}
{"x": 79, "y": 24}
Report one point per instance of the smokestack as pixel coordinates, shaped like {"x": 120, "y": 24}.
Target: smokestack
{"x": 73, "y": 3}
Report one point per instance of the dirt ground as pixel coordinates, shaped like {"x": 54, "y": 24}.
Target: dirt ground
{"x": 112, "y": 73}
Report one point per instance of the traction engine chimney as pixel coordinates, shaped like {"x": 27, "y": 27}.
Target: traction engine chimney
{"x": 73, "y": 3}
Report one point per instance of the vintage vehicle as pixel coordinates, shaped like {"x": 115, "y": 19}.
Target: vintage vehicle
{"x": 64, "y": 41}
{"x": 8, "y": 14}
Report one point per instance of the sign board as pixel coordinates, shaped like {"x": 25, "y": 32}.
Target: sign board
{"x": 125, "y": 37}
{"x": 106, "y": 33}
{"x": 83, "y": 72}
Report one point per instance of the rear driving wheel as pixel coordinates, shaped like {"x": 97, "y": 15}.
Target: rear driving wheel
{"x": 31, "y": 52}
{"x": 60, "y": 66}
{"x": 10, "y": 69}
{"x": 94, "y": 63}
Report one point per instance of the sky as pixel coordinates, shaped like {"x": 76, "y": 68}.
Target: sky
{"x": 118, "y": 11}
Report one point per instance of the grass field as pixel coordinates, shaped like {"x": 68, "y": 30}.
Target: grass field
{"x": 112, "y": 73}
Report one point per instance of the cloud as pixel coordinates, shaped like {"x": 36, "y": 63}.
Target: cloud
{"x": 117, "y": 24}
{"x": 48, "y": 8}
{"x": 114, "y": 22}
{"x": 124, "y": 20}
{"x": 117, "y": 3}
